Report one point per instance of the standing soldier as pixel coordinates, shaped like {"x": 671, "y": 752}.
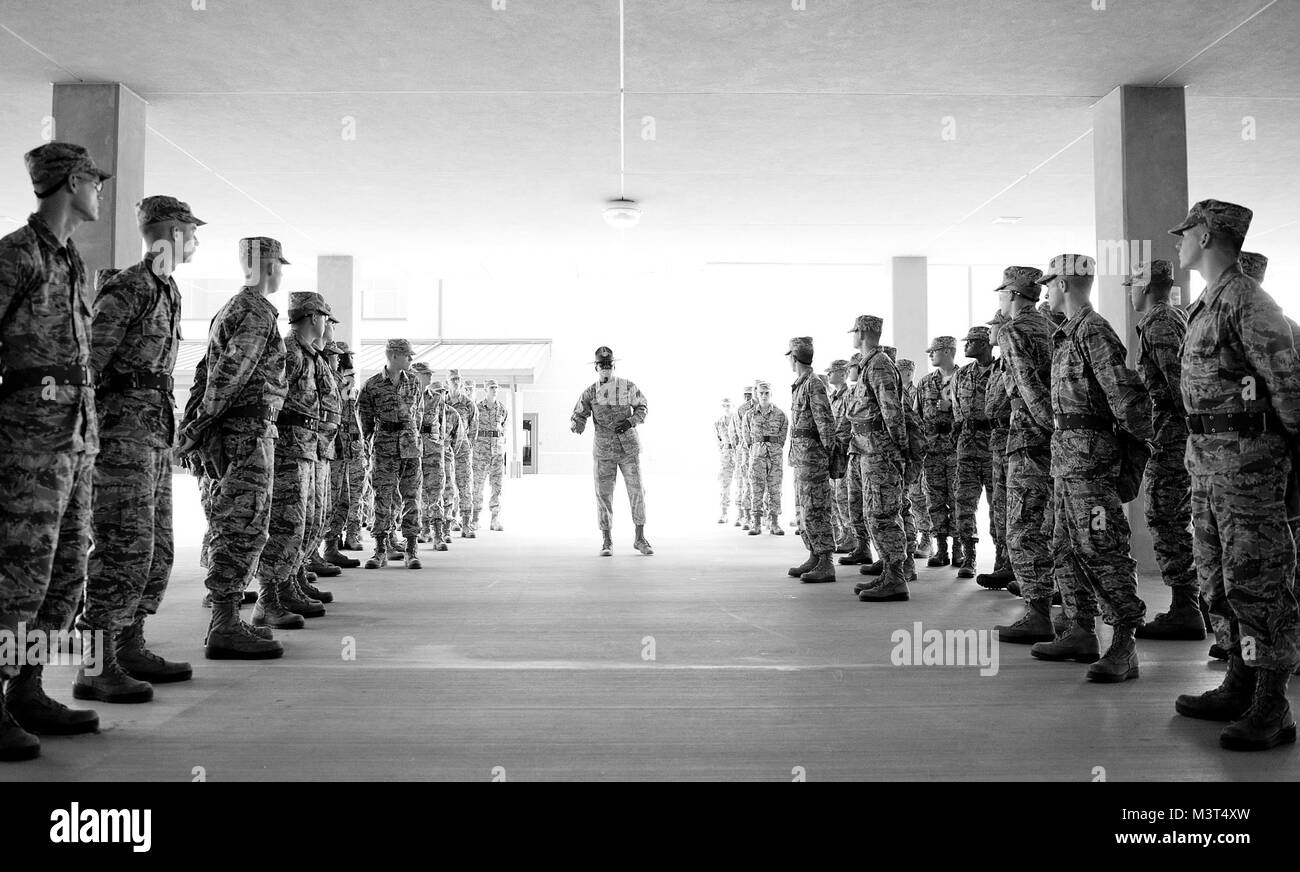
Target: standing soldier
{"x": 433, "y": 440}
{"x": 617, "y": 407}
{"x": 1165, "y": 483}
{"x": 742, "y": 455}
{"x": 462, "y": 400}
{"x": 767, "y": 431}
{"x": 1241, "y": 389}
{"x": 490, "y": 454}
{"x": 455, "y": 436}
{"x": 812, "y": 438}
{"x": 390, "y": 409}
{"x": 234, "y": 432}
{"x": 331, "y": 418}
{"x": 1098, "y": 405}
{"x": 914, "y": 494}
{"x": 724, "y": 428}
{"x": 877, "y": 418}
{"x": 347, "y": 469}
{"x": 857, "y": 447}
{"x": 846, "y": 541}
{"x": 997, "y": 408}
{"x": 136, "y": 335}
{"x": 974, "y": 462}
{"x": 48, "y": 433}
{"x": 935, "y": 407}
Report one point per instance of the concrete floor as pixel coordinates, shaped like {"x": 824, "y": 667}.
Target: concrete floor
{"x": 523, "y": 653}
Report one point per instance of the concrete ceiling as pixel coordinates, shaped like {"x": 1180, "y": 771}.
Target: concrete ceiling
{"x": 491, "y": 136}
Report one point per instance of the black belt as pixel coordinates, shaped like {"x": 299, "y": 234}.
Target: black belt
{"x": 943, "y": 426}
{"x": 64, "y": 376}
{"x": 801, "y": 433}
{"x": 249, "y": 411}
{"x": 426, "y": 429}
{"x": 489, "y": 434}
{"x": 156, "y": 381}
{"x": 1083, "y": 422}
{"x": 295, "y": 419}
{"x": 1002, "y": 423}
{"x": 876, "y": 425}
{"x": 978, "y": 424}
{"x": 391, "y": 426}
{"x": 769, "y": 438}
{"x": 1248, "y": 423}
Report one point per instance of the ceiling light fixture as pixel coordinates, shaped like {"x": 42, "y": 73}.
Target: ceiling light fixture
{"x": 622, "y": 213}
{"x": 1008, "y": 219}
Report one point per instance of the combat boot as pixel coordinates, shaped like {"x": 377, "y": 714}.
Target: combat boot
{"x": 956, "y": 551}
{"x": 316, "y": 564}
{"x": 336, "y": 557}
{"x": 755, "y": 526}
{"x": 1035, "y": 625}
{"x": 909, "y": 567}
{"x": 352, "y": 541}
{"x": 860, "y": 555}
{"x": 1182, "y": 621}
{"x": 455, "y": 524}
{"x": 1120, "y": 662}
{"x": 229, "y": 638}
{"x": 1002, "y": 575}
{"x": 807, "y": 566}
{"x": 606, "y": 544}
{"x": 466, "y": 526}
{"x": 380, "y": 557}
{"x": 1227, "y": 702}
{"x": 496, "y": 527}
{"x": 940, "y": 557}
{"x": 271, "y": 612}
{"x": 439, "y": 537}
{"x": 296, "y": 600}
{"x": 737, "y": 522}
{"x": 924, "y": 549}
{"x": 1061, "y": 623}
{"x": 15, "y": 743}
{"x": 891, "y": 587}
{"x": 1013, "y": 587}
{"x": 640, "y": 543}
{"x": 744, "y": 526}
{"x": 412, "y": 558}
{"x": 1268, "y": 722}
{"x": 27, "y": 703}
{"x": 774, "y": 526}
{"x": 313, "y": 592}
{"x": 1078, "y": 642}
{"x": 1217, "y": 652}
{"x": 395, "y": 552}
{"x": 249, "y": 597}
{"x": 823, "y": 569}
{"x": 100, "y": 677}
{"x": 139, "y": 662}
{"x": 875, "y": 568}
{"x": 967, "y": 567}
{"x": 722, "y": 519}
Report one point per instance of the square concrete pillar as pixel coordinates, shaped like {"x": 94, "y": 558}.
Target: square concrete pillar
{"x": 909, "y": 283}
{"x": 335, "y": 281}
{"x": 1140, "y": 186}
{"x": 109, "y": 120}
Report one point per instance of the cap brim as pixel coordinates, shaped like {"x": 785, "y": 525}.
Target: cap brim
{"x": 195, "y": 221}
{"x": 283, "y": 261}
{"x": 1178, "y": 231}
{"x": 1002, "y": 287}
{"x": 103, "y": 176}
{"x": 1045, "y": 279}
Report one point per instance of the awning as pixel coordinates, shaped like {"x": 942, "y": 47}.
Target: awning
{"x": 477, "y": 359}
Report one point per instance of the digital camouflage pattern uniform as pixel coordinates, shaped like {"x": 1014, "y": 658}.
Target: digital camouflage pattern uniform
{"x": 857, "y": 445}
{"x": 812, "y": 436}
{"x": 489, "y": 454}
{"x": 348, "y": 469}
{"x": 940, "y": 453}
{"x": 997, "y": 409}
{"x": 767, "y": 432}
{"x": 433, "y": 448}
{"x": 842, "y": 527}
{"x": 464, "y": 467}
{"x": 136, "y": 333}
{"x": 742, "y": 460}
{"x": 608, "y": 404}
{"x": 724, "y": 430}
{"x": 917, "y": 523}
{"x": 974, "y": 457}
{"x": 390, "y": 412}
{"x": 455, "y": 435}
{"x": 328, "y": 386}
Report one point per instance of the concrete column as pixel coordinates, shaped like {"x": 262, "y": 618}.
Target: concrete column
{"x": 908, "y": 278}
{"x": 109, "y": 120}
{"x": 335, "y": 280}
{"x": 1140, "y": 186}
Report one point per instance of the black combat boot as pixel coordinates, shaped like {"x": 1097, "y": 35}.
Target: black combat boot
{"x": 412, "y": 559}
{"x": 774, "y": 526}
{"x": 352, "y": 541}
{"x": 1120, "y": 662}
{"x": 1268, "y": 722}
{"x": 229, "y": 638}
{"x": 889, "y": 588}
{"x": 1002, "y": 575}
{"x": 807, "y": 566}
{"x": 312, "y": 591}
{"x": 940, "y": 557}
{"x": 271, "y": 612}
{"x": 1035, "y": 625}
{"x": 338, "y": 558}
{"x": 925, "y": 548}
{"x": 380, "y": 557}
{"x": 317, "y": 564}
{"x": 15, "y": 742}
{"x": 639, "y": 541}
{"x": 134, "y": 656}
{"x": 606, "y": 543}
{"x": 966, "y": 569}
{"x": 101, "y": 677}
{"x": 1227, "y": 702}
{"x": 823, "y": 569}
{"x": 1182, "y": 621}
{"x": 860, "y": 555}
{"x": 956, "y": 551}
{"x": 1076, "y": 641}
{"x": 294, "y": 598}
{"x": 395, "y": 551}
{"x": 439, "y": 535}
{"x": 755, "y": 526}
{"x": 30, "y": 706}
{"x": 877, "y": 567}
{"x": 466, "y": 526}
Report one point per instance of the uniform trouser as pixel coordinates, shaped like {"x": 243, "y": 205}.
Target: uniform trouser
{"x": 974, "y": 477}
{"x": 842, "y": 519}
{"x": 489, "y": 465}
{"x": 765, "y": 480}
{"x": 1091, "y": 543}
{"x": 857, "y": 497}
{"x": 397, "y": 489}
{"x": 366, "y": 506}
{"x": 465, "y": 476}
{"x": 449, "y": 483}
{"x": 882, "y": 476}
{"x": 815, "y": 507}
{"x": 240, "y": 513}
{"x": 322, "y": 499}
{"x": 132, "y": 560}
{"x": 1168, "y": 491}
{"x": 726, "y": 473}
{"x": 920, "y": 510}
{"x": 940, "y": 485}
{"x": 905, "y": 514}
{"x": 606, "y": 471}
{"x": 345, "y": 492}
{"x": 45, "y": 520}
{"x": 1031, "y": 520}
{"x": 205, "y": 500}
{"x": 431, "y": 487}
{"x": 998, "y": 479}
{"x": 291, "y": 490}
{"x": 742, "y": 482}
{"x": 1245, "y": 561}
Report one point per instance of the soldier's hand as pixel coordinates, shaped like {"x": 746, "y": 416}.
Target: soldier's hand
{"x": 623, "y": 426}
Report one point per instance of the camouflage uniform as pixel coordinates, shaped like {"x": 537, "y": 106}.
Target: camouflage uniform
{"x": 724, "y": 430}
{"x": 48, "y": 429}
{"x": 489, "y": 454}
{"x": 433, "y": 438}
{"x": 347, "y": 470}
{"x": 743, "y": 484}
{"x": 609, "y": 404}
{"x": 766, "y": 432}
{"x": 464, "y": 468}
{"x": 812, "y": 435}
{"x": 455, "y": 436}
{"x": 940, "y": 454}
{"x": 917, "y": 522}
{"x": 974, "y": 458}
{"x": 137, "y": 333}
{"x": 853, "y": 481}
{"x": 331, "y": 419}
{"x": 390, "y": 418}
{"x": 842, "y": 527}
{"x": 997, "y": 408}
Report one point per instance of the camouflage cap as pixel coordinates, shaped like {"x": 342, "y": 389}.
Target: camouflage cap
{"x": 102, "y": 276}
{"x": 152, "y": 210}
{"x": 942, "y": 343}
{"x": 1021, "y": 280}
{"x": 855, "y": 362}
{"x": 438, "y": 385}
{"x": 453, "y": 373}
{"x": 891, "y": 351}
{"x": 838, "y": 366}
{"x": 491, "y": 383}
{"x": 51, "y": 164}
{"x": 421, "y": 367}
{"x": 253, "y": 248}
{"x": 977, "y": 333}
{"x": 1219, "y": 217}
{"x": 868, "y": 324}
{"x": 1068, "y": 265}
{"x": 747, "y": 390}
{"x": 1156, "y": 274}
{"x": 1253, "y": 264}
{"x": 303, "y": 303}
{"x": 906, "y": 363}
{"x": 400, "y": 346}
{"x": 763, "y": 387}
{"x": 338, "y": 346}
{"x": 801, "y": 347}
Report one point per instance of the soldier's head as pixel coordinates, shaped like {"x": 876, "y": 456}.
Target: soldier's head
{"x": 438, "y": 387}
{"x": 604, "y": 363}
{"x": 1019, "y": 289}
{"x": 309, "y": 316}
{"x": 1068, "y": 275}
{"x": 855, "y": 367}
{"x": 866, "y": 331}
{"x": 906, "y": 369}
{"x": 423, "y": 373}
{"x": 399, "y": 354}
{"x": 66, "y": 180}
{"x": 1254, "y": 265}
{"x": 726, "y": 406}
{"x": 800, "y": 352}
{"x": 943, "y": 351}
{"x": 170, "y": 231}
{"x": 995, "y": 326}
{"x": 838, "y": 372}
{"x": 471, "y": 389}
{"x": 1211, "y": 226}
{"x": 748, "y": 394}
{"x": 764, "y": 395}
{"x": 976, "y": 344}
{"x": 492, "y": 388}
{"x": 1150, "y": 283}
{"x": 261, "y": 258}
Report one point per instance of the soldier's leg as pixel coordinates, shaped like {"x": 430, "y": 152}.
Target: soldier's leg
{"x": 241, "y": 511}
{"x": 937, "y": 493}
{"x": 356, "y": 475}
{"x": 630, "y": 465}
{"x": 815, "y": 502}
{"x": 772, "y": 488}
{"x": 449, "y": 484}
{"x": 384, "y": 475}
{"x": 465, "y": 478}
{"x": 1030, "y": 521}
{"x": 340, "y": 497}
{"x": 1168, "y": 490}
{"x": 742, "y": 482}
{"x": 726, "y": 472}
{"x": 998, "y": 502}
{"x": 164, "y": 546}
{"x": 408, "y": 485}
{"x": 290, "y": 494}
{"x": 604, "y": 472}
{"x": 857, "y": 499}
{"x": 482, "y": 459}
{"x": 921, "y": 505}
{"x": 205, "y": 501}
{"x": 884, "y": 487}
{"x": 905, "y": 515}
{"x": 67, "y": 571}
{"x": 757, "y": 487}
{"x": 966, "y": 495}
{"x": 496, "y": 476}
{"x": 1099, "y": 539}
{"x": 124, "y": 532}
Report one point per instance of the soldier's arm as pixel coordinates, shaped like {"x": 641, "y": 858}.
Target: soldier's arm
{"x": 582, "y": 411}
{"x": 888, "y": 396}
{"x": 1036, "y": 395}
{"x": 823, "y": 417}
{"x": 366, "y": 410}
{"x": 18, "y": 279}
{"x": 1165, "y": 346}
{"x": 115, "y": 307}
{"x": 1267, "y": 339}
{"x": 1126, "y": 395}
{"x": 638, "y": 403}
{"x": 232, "y": 360}
{"x": 783, "y": 430}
